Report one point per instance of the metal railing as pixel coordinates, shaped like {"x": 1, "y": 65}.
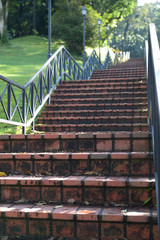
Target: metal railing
{"x": 153, "y": 85}
{"x": 22, "y": 110}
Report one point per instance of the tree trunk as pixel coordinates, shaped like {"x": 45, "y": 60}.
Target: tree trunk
{"x": 1, "y": 18}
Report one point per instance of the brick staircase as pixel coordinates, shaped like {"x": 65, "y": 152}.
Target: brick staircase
{"x": 90, "y": 176}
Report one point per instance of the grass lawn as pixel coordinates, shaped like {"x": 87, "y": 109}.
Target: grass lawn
{"x": 20, "y": 60}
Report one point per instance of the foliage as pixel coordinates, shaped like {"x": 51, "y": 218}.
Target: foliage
{"x": 68, "y": 25}
{"x": 130, "y": 34}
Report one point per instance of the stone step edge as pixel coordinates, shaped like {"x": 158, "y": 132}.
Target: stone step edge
{"x": 99, "y": 135}
{"x": 80, "y": 181}
{"x": 78, "y": 156}
{"x": 80, "y": 213}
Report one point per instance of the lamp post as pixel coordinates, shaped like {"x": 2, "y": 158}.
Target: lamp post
{"x": 99, "y": 24}
{"x": 84, "y": 12}
{"x": 49, "y": 29}
{"x": 107, "y": 34}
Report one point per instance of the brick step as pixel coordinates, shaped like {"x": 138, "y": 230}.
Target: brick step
{"x": 77, "y": 142}
{"x": 96, "y": 190}
{"x": 109, "y": 89}
{"x": 77, "y": 222}
{"x": 104, "y": 83}
{"x": 129, "y": 68}
{"x": 119, "y": 74}
{"x": 108, "y": 92}
{"x": 98, "y": 106}
{"x": 99, "y": 100}
{"x": 89, "y": 113}
{"x": 92, "y": 120}
{"x": 92, "y": 127}
{"x": 135, "y": 164}
{"x": 72, "y": 94}
{"x": 122, "y": 81}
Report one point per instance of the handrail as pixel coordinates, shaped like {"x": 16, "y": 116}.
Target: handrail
{"x": 32, "y": 97}
{"x": 153, "y": 85}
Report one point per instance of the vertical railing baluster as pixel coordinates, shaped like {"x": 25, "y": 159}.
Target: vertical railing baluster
{"x": 61, "y": 67}
{"x": 24, "y": 111}
{"x": 55, "y": 71}
{"x": 64, "y": 65}
{"x": 32, "y": 102}
{"x": 48, "y": 82}
{"x": 70, "y": 67}
{"x": 41, "y": 86}
{"x": 9, "y": 101}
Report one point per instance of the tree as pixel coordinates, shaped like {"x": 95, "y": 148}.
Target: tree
{"x": 68, "y": 24}
{"x": 3, "y": 14}
{"x": 130, "y": 34}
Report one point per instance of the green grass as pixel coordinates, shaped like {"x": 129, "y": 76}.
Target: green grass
{"x": 19, "y": 61}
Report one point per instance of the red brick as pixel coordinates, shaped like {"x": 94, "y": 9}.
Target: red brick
{"x": 73, "y": 180}
{"x": 86, "y": 145}
{"x": 34, "y": 136}
{"x": 52, "y": 145}
{"x": 122, "y": 145}
{"x": 140, "y": 167}
{"x": 39, "y": 228}
{"x": 72, "y": 193}
{"x": 80, "y": 156}
{"x": 119, "y": 167}
{"x": 100, "y": 166}
{"x": 10, "y": 193}
{"x": 18, "y": 145}
{"x": 88, "y": 213}
{"x": 70, "y": 145}
{"x": 61, "y": 156}
{"x": 80, "y": 166}
{"x": 51, "y": 194}
{"x": 138, "y": 196}
{"x": 63, "y": 229}
{"x": 116, "y": 182}
{"x": 116, "y": 195}
{"x": 51, "y": 136}
{"x": 87, "y": 230}
{"x": 112, "y": 215}
{"x": 155, "y": 232}
{"x": 15, "y": 227}
{"x": 94, "y": 195}
{"x": 4, "y": 146}
{"x": 42, "y": 166}
{"x": 1, "y": 227}
{"x": 31, "y": 193}
{"x": 17, "y": 210}
{"x": 64, "y": 212}
{"x": 35, "y": 145}
{"x": 7, "y": 166}
{"x": 60, "y": 167}
{"x": 23, "y": 166}
{"x": 68, "y": 136}
{"x": 138, "y": 231}
{"x": 104, "y": 145}
{"x": 140, "y": 145}
{"x": 52, "y": 180}
{"x": 112, "y": 231}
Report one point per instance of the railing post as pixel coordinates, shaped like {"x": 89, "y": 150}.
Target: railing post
{"x": 9, "y": 101}
{"x": 61, "y": 67}
{"x": 64, "y": 64}
{"x": 32, "y": 103}
{"x": 24, "y": 111}
{"x": 48, "y": 83}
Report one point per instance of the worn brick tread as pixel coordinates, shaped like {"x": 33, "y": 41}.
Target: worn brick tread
{"x": 85, "y": 113}
{"x": 99, "y": 100}
{"x": 71, "y": 187}
{"x": 84, "y": 213}
{"x": 97, "y": 106}
{"x": 92, "y": 120}
{"x": 92, "y": 127}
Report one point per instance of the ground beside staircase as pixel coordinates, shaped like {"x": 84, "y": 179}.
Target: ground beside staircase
{"x": 90, "y": 175}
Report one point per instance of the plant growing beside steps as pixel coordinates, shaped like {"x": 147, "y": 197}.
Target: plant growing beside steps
{"x": 81, "y": 179}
